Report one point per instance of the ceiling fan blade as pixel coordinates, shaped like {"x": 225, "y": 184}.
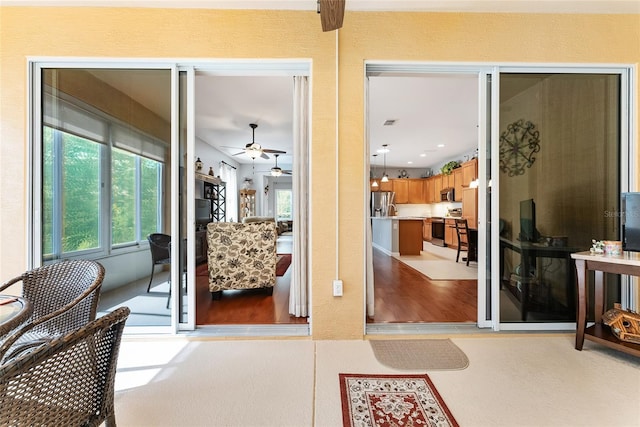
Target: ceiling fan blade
{"x": 266, "y": 150}
{"x": 331, "y": 14}
{"x": 263, "y": 155}
{"x": 237, "y": 154}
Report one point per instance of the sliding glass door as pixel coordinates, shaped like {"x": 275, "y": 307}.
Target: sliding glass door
{"x": 101, "y": 173}
{"x": 562, "y": 166}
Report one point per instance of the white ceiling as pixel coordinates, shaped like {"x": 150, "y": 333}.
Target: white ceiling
{"x": 516, "y": 6}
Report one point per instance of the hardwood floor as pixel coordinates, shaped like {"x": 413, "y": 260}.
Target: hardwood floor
{"x": 403, "y": 294}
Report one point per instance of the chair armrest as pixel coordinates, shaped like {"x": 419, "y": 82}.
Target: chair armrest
{"x": 56, "y": 318}
{"x": 8, "y": 283}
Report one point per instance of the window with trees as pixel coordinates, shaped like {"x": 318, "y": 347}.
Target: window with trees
{"x": 101, "y": 182}
{"x": 284, "y": 204}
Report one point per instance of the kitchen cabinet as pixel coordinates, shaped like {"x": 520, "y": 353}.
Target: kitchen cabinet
{"x": 416, "y": 187}
{"x": 469, "y": 172}
{"x": 385, "y": 186}
{"x": 450, "y": 236}
{"x": 457, "y": 184}
{"x": 401, "y": 188}
{"x": 426, "y": 230}
{"x": 427, "y": 190}
{"x": 470, "y": 206}
{"x": 409, "y": 237}
{"x": 437, "y": 187}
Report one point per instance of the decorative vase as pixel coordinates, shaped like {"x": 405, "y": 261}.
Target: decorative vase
{"x": 211, "y": 171}
{"x": 198, "y": 165}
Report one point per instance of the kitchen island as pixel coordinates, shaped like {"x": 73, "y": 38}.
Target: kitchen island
{"x": 397, "y": 235}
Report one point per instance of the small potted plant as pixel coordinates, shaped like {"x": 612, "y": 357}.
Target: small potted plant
{"x": 447, "y": 168}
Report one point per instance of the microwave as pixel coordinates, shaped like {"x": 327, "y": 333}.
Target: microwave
{"x": 446, "y": 195}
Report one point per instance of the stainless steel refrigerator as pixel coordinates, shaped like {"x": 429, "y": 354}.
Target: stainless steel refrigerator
{"x": 381, "y": 201}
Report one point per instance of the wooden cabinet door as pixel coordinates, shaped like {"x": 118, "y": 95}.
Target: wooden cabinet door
{"x": 385, "y": 186}
{"x": 437, "y": 187}
{"x": 401, "y": 188}
{"x": 450, "y": 236}
{"x": 457, "y": 184}
{"x": 469, "y": 172}
{"x": 427, "y": 190}
{"x": 470, "y": 206}
{"x": 426, "y": 230}
{"x": 416, "y": 191}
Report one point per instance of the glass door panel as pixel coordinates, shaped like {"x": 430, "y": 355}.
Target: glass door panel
{"x": 559, "y": 171}
{"x": 102, "y": 141}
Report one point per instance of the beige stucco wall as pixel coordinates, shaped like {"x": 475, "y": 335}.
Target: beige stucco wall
{"x": 174, "y": 33}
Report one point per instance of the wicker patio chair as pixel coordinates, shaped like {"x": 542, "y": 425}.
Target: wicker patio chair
{"x": 68, "y": 381}
{"x": 64, "y": 297}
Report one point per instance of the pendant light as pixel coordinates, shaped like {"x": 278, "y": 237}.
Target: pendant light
{"x": 276, "y": 171}
{"x": 374, "y": 184}
{"x": 384, "y": 150}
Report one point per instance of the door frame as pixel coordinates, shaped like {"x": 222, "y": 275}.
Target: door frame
{"x": 222, "y": 67}
{"x": 488, "y": 133}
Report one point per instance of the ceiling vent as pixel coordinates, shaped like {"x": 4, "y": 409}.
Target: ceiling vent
{"x": 389, "y": 122}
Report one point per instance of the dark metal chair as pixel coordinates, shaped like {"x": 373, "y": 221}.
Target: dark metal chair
{"x": 160, "y": 246}
{"x": 68, "y": 381}
{"x": 64, "y": 297}
{"x": 465, "y": 242}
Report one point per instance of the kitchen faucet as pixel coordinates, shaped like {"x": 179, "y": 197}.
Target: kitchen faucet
{"x": 395, "y": 210}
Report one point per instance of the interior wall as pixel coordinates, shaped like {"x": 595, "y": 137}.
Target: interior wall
{"x": 87, "y": 32}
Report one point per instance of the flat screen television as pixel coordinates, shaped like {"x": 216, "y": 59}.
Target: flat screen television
{"x": 203, "y": 211}
{"x": 528, "y": 230}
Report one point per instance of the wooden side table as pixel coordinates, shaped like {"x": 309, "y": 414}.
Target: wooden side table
{"x": 627, "y": 263}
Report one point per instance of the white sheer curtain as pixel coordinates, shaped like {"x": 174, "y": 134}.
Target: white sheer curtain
{"x": 369, "y": 256}
{"x": 229, "y": 175}
{"x": 298, "y": 295}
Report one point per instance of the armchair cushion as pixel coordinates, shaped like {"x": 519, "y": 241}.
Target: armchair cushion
{"x": 241, "y": 256}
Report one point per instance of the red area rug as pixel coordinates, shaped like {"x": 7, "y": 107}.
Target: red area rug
{"x": 284, "y": 261}
{"x": 392, "y": 400}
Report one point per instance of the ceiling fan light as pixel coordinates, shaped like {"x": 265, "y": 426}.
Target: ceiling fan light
{"x": 253, "y": 153}
{"x": 276, "y": 171}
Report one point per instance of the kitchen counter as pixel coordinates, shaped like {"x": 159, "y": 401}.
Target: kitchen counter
{"x": 400, "y": 217}
{"x": 395, "y": 235}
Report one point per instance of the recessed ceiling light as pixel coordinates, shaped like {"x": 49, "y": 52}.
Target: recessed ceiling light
{"x": 423, "y": 155}
{"x": 409, "y": 162}
{"x": 440, "y": 145}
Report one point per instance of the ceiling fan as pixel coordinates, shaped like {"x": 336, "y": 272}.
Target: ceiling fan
{"x": 331, "y": 14}
{"x": 255, "y": 150}
{"x": 276, "y": 170}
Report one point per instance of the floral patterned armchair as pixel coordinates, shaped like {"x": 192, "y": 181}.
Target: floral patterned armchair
{"x": 241, "y": 256}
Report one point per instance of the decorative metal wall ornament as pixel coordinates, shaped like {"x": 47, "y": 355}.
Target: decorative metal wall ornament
{"x": 518, "y": 144}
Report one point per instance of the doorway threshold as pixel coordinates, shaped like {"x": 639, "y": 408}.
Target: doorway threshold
{"x": 298, "y": 330}
{"x": 422, "y": 328}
